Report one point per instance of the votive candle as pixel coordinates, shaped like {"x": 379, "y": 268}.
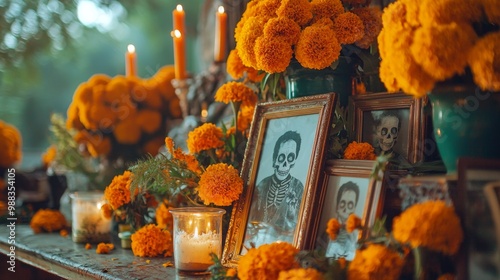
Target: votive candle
{"x": 179, "y": 55}
{"x": 131, "y": 61}
{"x": 220, "y": 35}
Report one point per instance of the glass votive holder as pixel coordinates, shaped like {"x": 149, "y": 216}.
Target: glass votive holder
{"x": 197, "y": 233}
{"x": 88, "y": 224}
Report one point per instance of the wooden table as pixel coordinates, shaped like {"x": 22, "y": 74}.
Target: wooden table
{"x": 59, "y": 257}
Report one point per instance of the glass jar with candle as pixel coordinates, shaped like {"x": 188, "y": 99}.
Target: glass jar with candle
{"x": 197, "y": 233}
{"x": 88, "y": 224}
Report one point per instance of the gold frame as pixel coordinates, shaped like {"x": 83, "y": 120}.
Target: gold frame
{"x": 386, "y": 101}
{"x": 322, "y": 105}
{"x": 375, "y": 193}
{"x": 482, "y": 169}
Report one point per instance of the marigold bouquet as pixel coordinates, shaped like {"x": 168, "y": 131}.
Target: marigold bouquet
{"x": 10, "y": 145}
{"x": 271, "y": 32}
{"x": 425, "y": 42}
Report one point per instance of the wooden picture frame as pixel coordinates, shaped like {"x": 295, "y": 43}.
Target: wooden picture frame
{"x": 372, "y": 116}
{"x": 346, "y": 182}
{"x": 476, "y": 253}
{"x": 310, "y": 118}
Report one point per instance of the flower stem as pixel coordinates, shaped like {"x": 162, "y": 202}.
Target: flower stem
{"x": 418, "y": 256}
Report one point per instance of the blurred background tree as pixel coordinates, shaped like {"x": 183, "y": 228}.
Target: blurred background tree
{"x": 48, "y": 47}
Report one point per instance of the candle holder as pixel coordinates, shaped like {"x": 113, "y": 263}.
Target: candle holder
{"x": 197, "y": 233}
{"x": 88, "y": 224}
{"x": 181, "y": 90}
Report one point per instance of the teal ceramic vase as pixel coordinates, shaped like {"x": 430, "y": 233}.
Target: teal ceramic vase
{"x": 302, "y": 81}
{"x": 465, "y": 121}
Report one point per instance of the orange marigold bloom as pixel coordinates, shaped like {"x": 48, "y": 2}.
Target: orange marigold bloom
{"x": 47, "y": 220}
{"x": 63, "y": 232}
{"x": 98, "y": 145}
{"x": 447, "y": 11}
{"x": 245, "y": 117}
{"x": 297, "y": 10}
{"x": 149, "y": 120}
{"x": 375, "y": 262}
{"x": 231, "y": 272}
{"x": 484, "y": 61}
{"x": 220, "y": 184}
{"x": 492, "y": 11}
{"x": 128, "y": 130}
{"x": 10, "y": 145}
{"x": 205, "y": 137}
{"x": 266, "y": 261}
{"x": 348, "y": 28}
{"x": 164, "y": 218}
{"x": 437, "y": 47}
{"x": 106, "y": 211}
{"x": 236, "y": 92}
{"x": 117, "y": 193}
{"x": 372, "y": 20}
{"x": 104, "y": 248}
{"x": 88, "y": 246}
{"x": 333, "y": 228}
{"x": 432, "y": 225}
{"x": 49, "y": 156}
{"x": 317, "y": 47}
{"x": 300, "y": 274}
{"x": 169, "y": 144}
{"x": 246, "y": 40}
{"x": 353, "y": 222}
{"x": 255, "y": 75}
{"x": 282, "y": 28}
{"x": 190, "y": 160}
{"x": 326, "y": 8}
{"x": 360, "y": 151}
{"x": 273, "y": 54}
{"x": 152, "y": 241}
{"x": 234, "y": 65}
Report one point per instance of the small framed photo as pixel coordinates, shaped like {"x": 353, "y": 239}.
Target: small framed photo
{"x": 478, "y": 257}
{"x": 392, "y": 122}
{"x": 347, "y": 189}
{"x": 281, "y": 169}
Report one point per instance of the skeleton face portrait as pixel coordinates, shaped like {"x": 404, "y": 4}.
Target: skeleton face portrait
{"x": 347, "y": 200}
{"x": 287, "y": 154}
{"x": 387, "y": 133}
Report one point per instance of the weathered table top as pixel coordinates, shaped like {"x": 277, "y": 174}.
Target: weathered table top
{"x": 62, "y": 257}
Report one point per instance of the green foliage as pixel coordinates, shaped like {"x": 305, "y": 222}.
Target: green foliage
{"x": 218, "y": 271}
{"x": 337, "y": 138}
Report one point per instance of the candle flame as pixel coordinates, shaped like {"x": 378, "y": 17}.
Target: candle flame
{"x": 131, "y": 48}
{"x": 221, "y": 10}
{"x": 99, "y": 205}
{"x": 176, "y": 33}
{"x": 195, "y": 231}
{"x": 179, "y": 7}
{"x": 208, "y": 227}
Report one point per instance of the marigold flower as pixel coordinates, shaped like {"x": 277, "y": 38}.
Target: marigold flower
{"x": 484, "y": 61}
{"x": 326, "y": 8}
{"x": 317, "y": 47}
{"x": 88, "y": 246}
{"x": 47, "y": 220}
{"x": 359, "y": 151}
{"x": 333, "y": 228}
{"x": 234, "y": 65}
{"x": 149, "y": 120}
{"x": 220, "y": 184}
{"x": 353, "y": 222}
{"x": 348, "y": 28}
{"x": 297, "y": 10}
{"x": 282, "y": 28}
{"x": 246, "y": 40}
{"x": 273, "y": 54}
{"x": 49, "y": 156}
{"x": 128, "y": 130}
{"x": 205, "y": 137}
{"x": 448, "y": 11}
{"x": 152, "y": 147}
{"x": 104, "y": 248}
{"x": 356, "y": 3}
{"x": 372, "y": 20}
{"x": 164, "y": 218}
{"x": 106, "y": 211}
{"x": 63, "y": 232}
{"x": 375, "y": 262}
{"x": 492, "y": 11}
{"x": 245, "y": 117}
{"x": 437, "y": 47}
{"x": 231, "y": 272}
{"x": 169, "y": 144}
{"x": 10, "y": 145}
{"x": 152, "y": 241}
{"x": 190, "y": 160}
{"x": 266, "y": 261}
{"x": 117, "y": 193}
{"x": 98, "y": 145}
{"x": 236, "y": 92}
{"x": 430, "y": 224}
{"x": 300, "y": 274}
{"x": 255, "y": 75}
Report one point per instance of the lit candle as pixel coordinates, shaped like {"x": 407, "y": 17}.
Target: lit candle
{"x": 179, "y": 55}
{"x": 197, "y": 234}
{"x": 130, "y": 58}
{"x": 220, "y": 35}
{"x": 178, "y": 16}
{"x": 88, "y": 224}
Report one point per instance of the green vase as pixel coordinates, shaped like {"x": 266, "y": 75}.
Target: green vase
{"x": 302, "y": 81}
{"x": 464, "y": 119}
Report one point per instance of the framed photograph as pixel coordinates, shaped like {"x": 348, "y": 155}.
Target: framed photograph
{"x": 281, "y": 169}
{"x": 347, "y": 189}
{"x": 392, "y": 122}
{"x": 492, "y": 193}
{"x": 477, "y": 258}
